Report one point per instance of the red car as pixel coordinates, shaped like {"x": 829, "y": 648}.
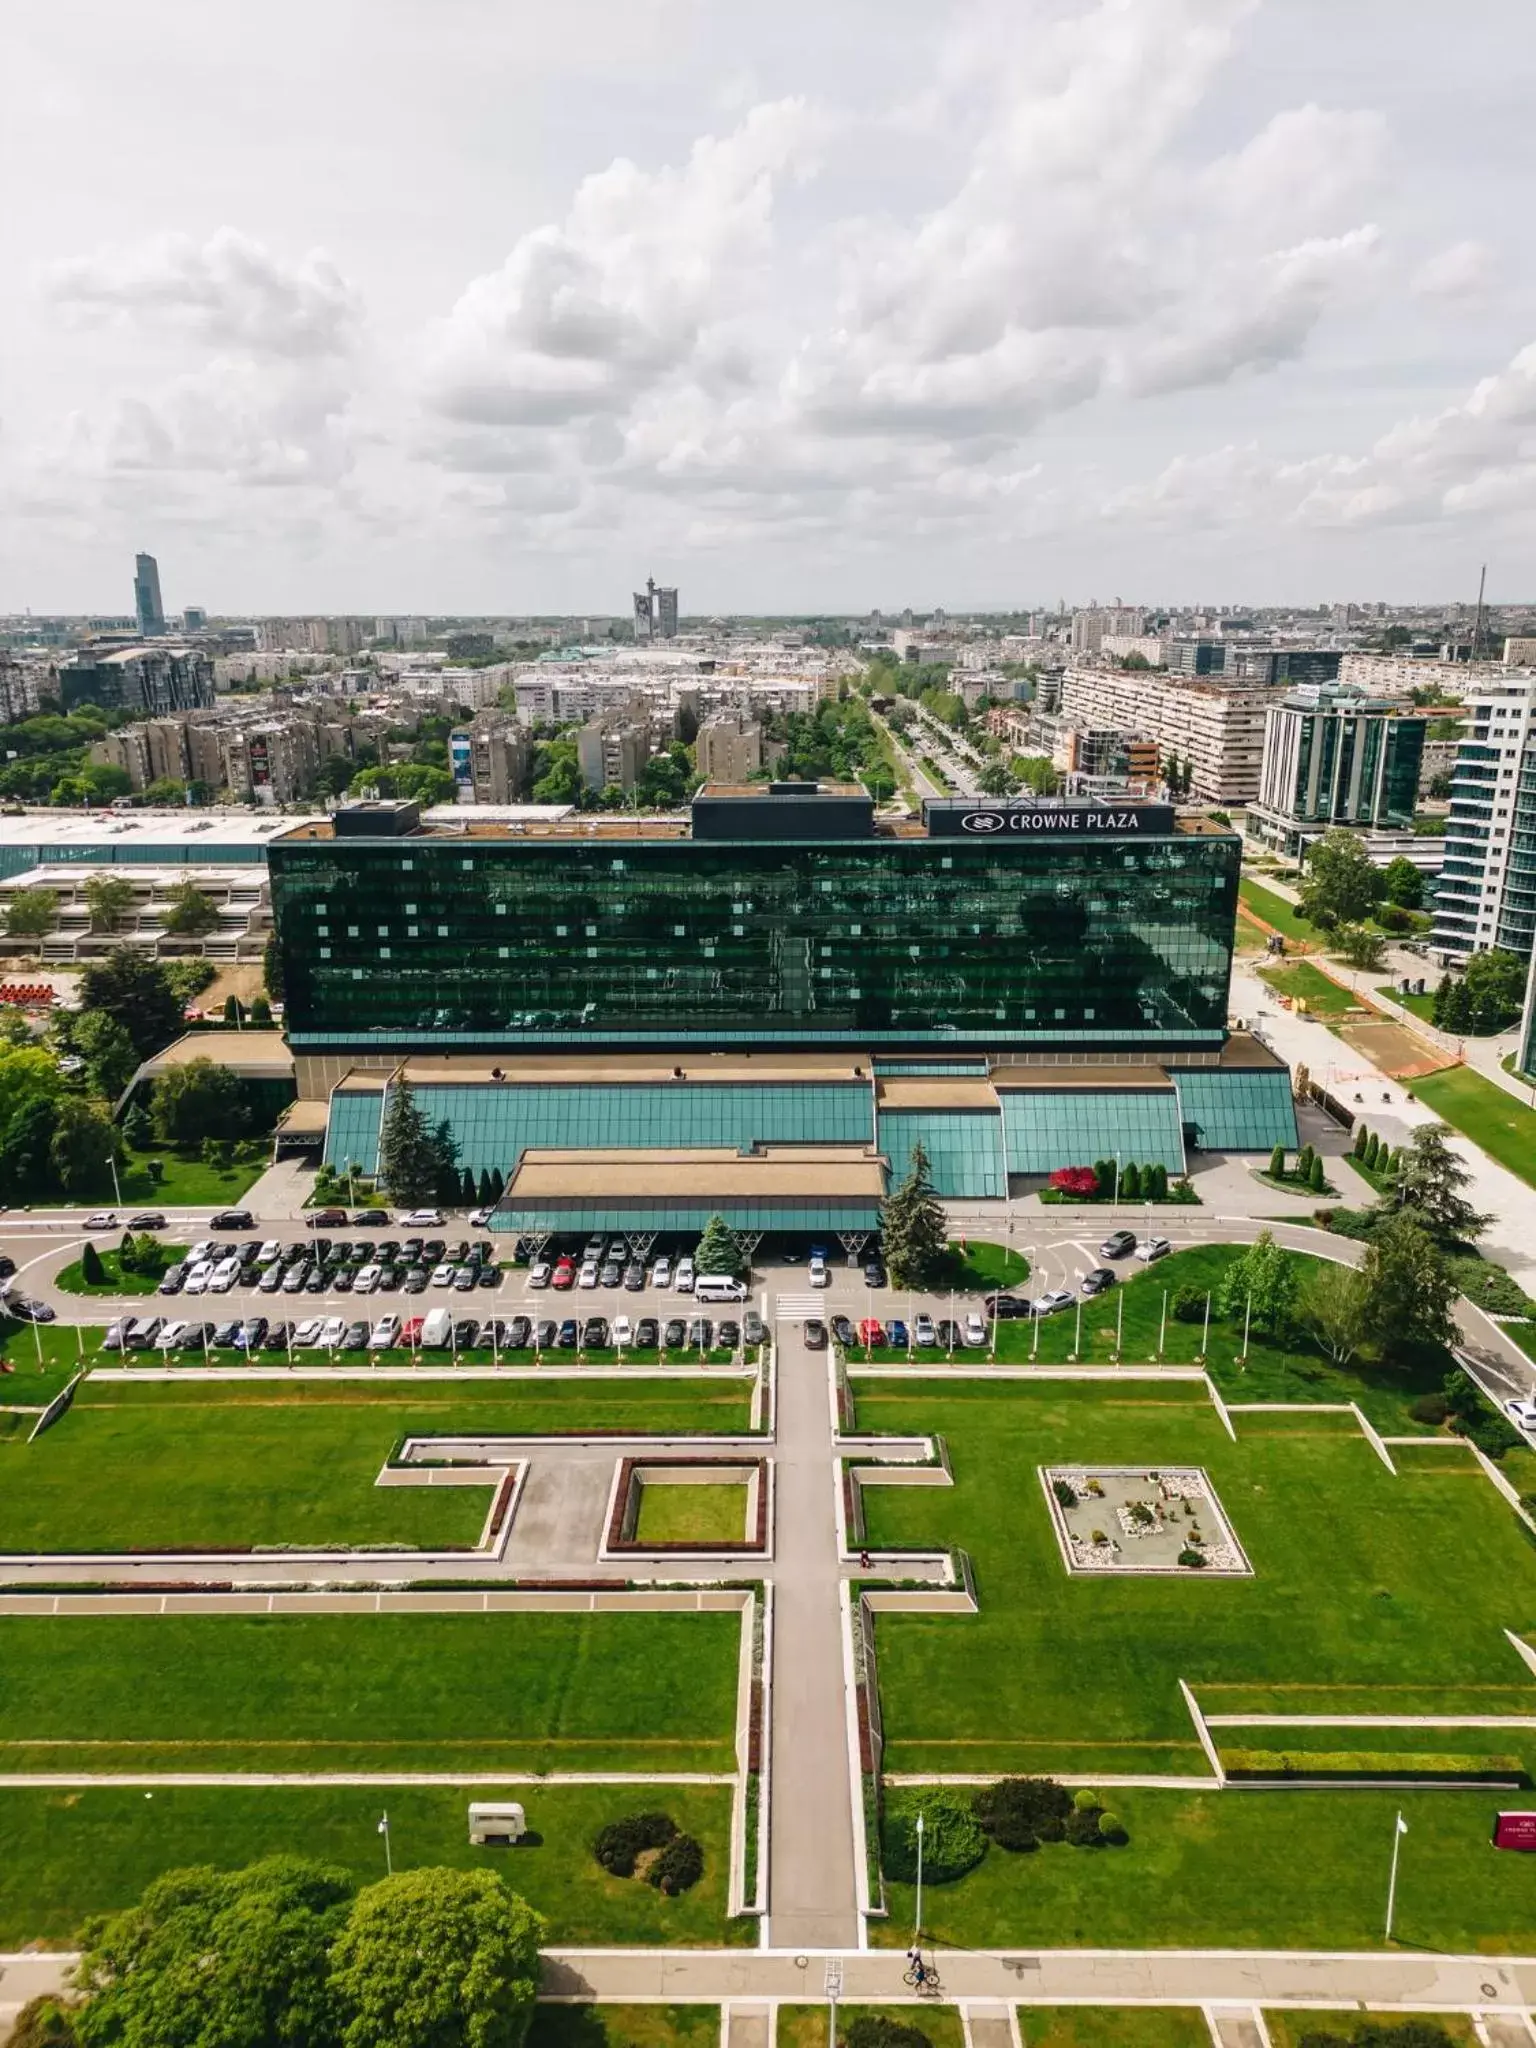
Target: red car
{"x": 564, "y": 1274}
{"x": 870, "y": 1332}
{"x": 411, "y": 1334}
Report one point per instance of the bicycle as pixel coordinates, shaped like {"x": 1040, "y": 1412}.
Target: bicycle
{"x": 921, "y": 1976}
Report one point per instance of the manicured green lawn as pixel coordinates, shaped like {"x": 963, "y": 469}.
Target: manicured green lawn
{"x": 1369, "y": 1593}
{"x": 1422, "y": 1007}
{"x": 1247, "y": 1869}
{"x": 161, "y": 1465}
{"x": 1288, "y": 2027}
{"x": 1323, "y": 996}
{"x": 981, "y": 1266}
{"x": 625, "y": 2026}
{"x": 72, "y": 1853}
{"x": 72, "y": 1279}
{"x": 307, "y": 1692}
{"x": 1277, "y": 912}
{"x": 1485, "y": 1113}
{"x": 1113, "y": 2026}
{"x": 37, "y": 1361}
{"x": 805, "y": 2026}
{"x": 1292, "y": 1369}
{"x": 185, "y": 1181}
{"x": 691, "y": 1514}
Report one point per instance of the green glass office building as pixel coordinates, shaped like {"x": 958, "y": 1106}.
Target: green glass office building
{"x": 788, "y": 921}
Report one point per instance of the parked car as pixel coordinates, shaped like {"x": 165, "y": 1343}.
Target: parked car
{"x": 896, "y": 1334}
{"x": 975, "y": 1330}
{"x": 948, "y": 1334}
{"x": 634, "y": 1277}
{"x": 354, "y": 1337}
{"x": 570, "y": 1334}
{"x": 519, "y": 1333}
{"x": 675, "y": 1333}
{"x": 661, "y": 1273}
{"x": 1118, "y": 1245}
{"x": 274, "y": 1277}
{"x": 170, "y": 1335}
{"x": 422, "y": 1219}
{"x": 196, "y": 1337}
{"x": 224, "y": 1335}
{"x": 487, "y": 1276}
{"x": 818, "y": 1274}
{"x": 1054, "y": 1298}
{"x": 341, "y": 1278}
{"x": 623, "y": 1331}
{"x": 332, "y": 1330}
{"x": 728, "y": 1336}
{"x": 100, "y": 1219}
{"x": 370, "y": 1219}
{"x": 752, "y": 1327}
{"x": 647, "y": 1334}
{"x": 611, "y": 1275}
{"x": 594, "y": 1334}
{"x": 874, "y": 1273}
{"x": 277, "y": 1337}
{"x": 683, "y": 1277}
{"x": 316, "y": 1279}
{"x": 386, "y": 1331}
{"x": 308, "y": 1333}
{"x": 293, "y": 1281}
{"x": 232, "y": 1219}
{"x": 224, "y": 1276}
{"x": 539, "y": 1272}
{"x": 1152, "y": 1248}
{"x": 464, "y": 1278}
{"x": 701, "y": 1333}
{"x": 327, "y": 1219}
{"x": 415, "y": 1281}
{"x": 479, "y": 1219}
{"x": 1521, "y": 1412}
{"x": 842, "y": 1329}
{"x": 815, "y": 1335}
{"x": 173, "y": 1279}
{"x": 198, "y": 1277}
{"x": 1006, "y": 1308}
{"x": 442, "y": 1276}
{"x": 1097, "y": 1280}
{"x": 148, "y": 1219}
{"x": 251, "y": 1332}
{"x": 389, "y": 1279}
{"x": 871, "y": 1333}
{"x": 923, "y": 1332}
{"x": 544, "y": 1333}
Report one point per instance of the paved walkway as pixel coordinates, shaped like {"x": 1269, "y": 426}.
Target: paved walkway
{"x": 811, "y": 1891}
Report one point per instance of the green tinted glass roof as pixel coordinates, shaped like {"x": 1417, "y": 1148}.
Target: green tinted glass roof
{"x": 1050, "y": 1127}
{"x": 1235, "y": 1110}
{"x": 964, "y": 1147}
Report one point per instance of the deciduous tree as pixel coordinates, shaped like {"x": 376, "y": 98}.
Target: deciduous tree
{"x": 191, "y": 911}
{"x": 136, "y": 991}
{"x": 32, "y": 913}
{"x": 198, "y": 1100}
{"x": 1342, "y": 883}
{"x": 109, "y": 900}
{"x": 1264, "y": 1275}
{"x": 1335, "y": 1306}
{"x": 1411, "y": 1289}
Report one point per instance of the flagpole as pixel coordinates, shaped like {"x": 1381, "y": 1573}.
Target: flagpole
{"x": 1398, "y": 1833}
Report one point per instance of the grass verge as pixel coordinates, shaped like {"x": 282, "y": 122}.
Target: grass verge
{"x": 691, "y": 1514}
{"x": 1111, "y": 2026}
{"x": 1278, "y": 913}
{"x": 1323, "y": 996}
{"x": 1487, "y": 1114}
{"x": 625, "y": 2026}
{"x": 805, "y": 2026}
{"x": 72, "y": 1280}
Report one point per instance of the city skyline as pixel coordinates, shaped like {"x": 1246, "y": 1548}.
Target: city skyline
{"x": 1145, "y": 295}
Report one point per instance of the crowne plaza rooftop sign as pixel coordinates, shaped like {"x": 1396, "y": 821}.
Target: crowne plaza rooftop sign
{"x": 1038, "y": 821}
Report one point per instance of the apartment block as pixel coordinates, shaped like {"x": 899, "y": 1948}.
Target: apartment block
{"x": 611, "y": 751}
{"x": 139, "y": 679}
{"x": 1089, "y": 628}
{"x": 489, "y": 760}
{"x": 1394, "y": 675}
{"x": 1487, "y": 892}
{"x": 1216, "y": 725}
{"x": 729, "y": 747}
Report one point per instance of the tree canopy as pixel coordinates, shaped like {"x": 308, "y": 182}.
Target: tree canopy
{"x": 32, "y": 913}
{"x": 1429, "y": 1181}
{"x": 136, "y": 991}
{"x": 110, "y": 900}
{"x": 1411, "y": 1288}
{"x": 914, "y": 1231}
{"x": 718, "y": 1251}
{"x": 1403, "y": 883}
{"x": 414, "y": 1162}
{"x": 191, "y": 911}
{"x": 1264, "y": 1276}
{"x": 198, "y": 1099}
{"x": 1342, "y": 884}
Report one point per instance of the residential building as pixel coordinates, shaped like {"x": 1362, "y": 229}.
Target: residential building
{"x": 1195, "y": 657}
{"x": 21, "y": 689}
{"x": 194, "y": 618}
{"x": 655, "y": 612}
{"x": 1121, "y": 647}
{"x": 1217, "y": 726}
{"x": 489, "y": 759}
{"x": 729, "y": 747}
{"x": 1519, "y": 653}
{"x": 1487, "y": 892}
{"x": 1394, "y": 675}
{"x": 139, "y": 679}
{"x": 1119, "y": 621}
{"x": 147, "y": 604}
{"x": 612, "y": 750}
{"x": 1334, "y": 756}
{"x": 1305, "y": 665}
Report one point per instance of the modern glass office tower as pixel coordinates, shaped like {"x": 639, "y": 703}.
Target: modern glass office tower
{"x": 779, "y": 919}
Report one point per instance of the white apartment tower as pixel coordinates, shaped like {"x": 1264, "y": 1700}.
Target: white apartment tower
{"x": 1487, "y": 891}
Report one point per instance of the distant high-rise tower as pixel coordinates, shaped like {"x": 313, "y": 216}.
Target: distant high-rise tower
{"x": 146, "y": 596}
{"x": 655, "y": 612}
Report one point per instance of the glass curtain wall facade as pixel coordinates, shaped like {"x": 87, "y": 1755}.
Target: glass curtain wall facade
{"x": 1111, "y": 943}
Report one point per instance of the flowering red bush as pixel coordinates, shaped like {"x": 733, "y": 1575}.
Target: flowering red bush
{"x": 1075, "y": 1180}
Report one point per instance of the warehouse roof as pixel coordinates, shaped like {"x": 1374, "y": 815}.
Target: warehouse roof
{"x": 836, "y": 1172}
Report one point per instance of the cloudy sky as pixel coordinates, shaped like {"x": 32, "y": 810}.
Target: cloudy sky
{"x": 486, "y": 305}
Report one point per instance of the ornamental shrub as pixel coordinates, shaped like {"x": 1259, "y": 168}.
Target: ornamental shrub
{"x": 1189, "y": 1305}
{"x": 621, "y": 1842}
{"x": 877, "y": 2030}
{"x": 1192, "y": 1558}
{"x": 679, "y": 1866}
{"x": 1066, "y": 1494}
{"x": 1431, "y": 1408}
{"x": 92, "y": 1272}
{"x": 1156, "y": 1183}
{"x": 1113, "y": 1829}
{"x": 1304, "y": 1160}
{"x": 953, "y": 1842}
{"x": 1362, "y": 1139}
{"x": 1085, "y": 1800}
{"x": 1372, "y": 1152}
{"x": 1317, "y": 1180}
{"x": 1020, "y": 1812}
{"x": 1080, "y": 1181}
{"x": 1083, "y": 1828}
{"x": 1277, "y": 1163}
{"x": 1130, "y": 1182}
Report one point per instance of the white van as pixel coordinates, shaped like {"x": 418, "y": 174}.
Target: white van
{"x": 437, "y": 1330}
{"x": 719, "y": 1287}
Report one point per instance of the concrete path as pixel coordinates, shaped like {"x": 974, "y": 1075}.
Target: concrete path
{"x": 811, "y": 1888}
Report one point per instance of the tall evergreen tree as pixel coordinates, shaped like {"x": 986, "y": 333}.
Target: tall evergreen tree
{"x": 487, "y": 1192}
{"x": 718, "y": 1251}
{"x": 913, "y": 1226}
{"x": 467, "y": 1187}
{"x": 1430, "y": 1180}
{"x": 410, "y": 1158}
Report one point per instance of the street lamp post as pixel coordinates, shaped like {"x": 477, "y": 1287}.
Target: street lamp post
{"x": 389, "y": 1861}
{"x": 117, "y": 1192}
{"x": 1398, "y": 1832}
{"x": 917, "y": 1917}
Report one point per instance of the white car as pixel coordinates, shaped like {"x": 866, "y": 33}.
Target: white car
{"x": 198, "y": 1278}
{"x": 587, "y": 1277}
{"x": 423, "y": 1219}
{"x": 480, "y": 1219}
{"x": 1152, "y": 1248}
{"x": 270, "y": 1250}
{"x": 623, "y": 1331}
{"x": 386, "y": 1331}
{"x": 102, "y": 1219}
{"x": 818, "y": 1274}
{"x": 539, "y": 1272}
{"x": 224, "y": 1276}
{"x": 1521, "y": 1412}
{"x": 332, "y": 1332}
{"x": 205, "y": 1248}
{"x": 308, "y": 1333}
{"x": 1048, "y": 1303}
{"x": 975, "y": 1330}
{"x": 171, "y": 1335}
{"x": 367, "y": 1280}
{"x": 442, "y": 1276}
{"x": 682, "y": 1280}
{"x": 661, "y": 1273}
